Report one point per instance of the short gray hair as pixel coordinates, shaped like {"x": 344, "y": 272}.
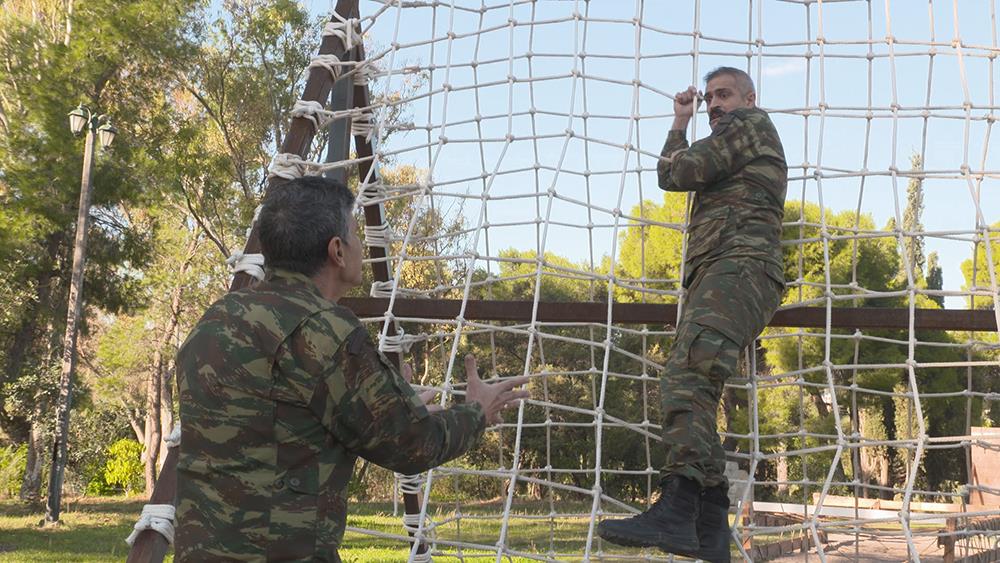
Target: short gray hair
{"x": 299, "y": 218}
{"x": 743, "y": 79}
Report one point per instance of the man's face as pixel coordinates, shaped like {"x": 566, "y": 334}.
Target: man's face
{"x": 723, "y": 95}
{"x": 353, "y": 253}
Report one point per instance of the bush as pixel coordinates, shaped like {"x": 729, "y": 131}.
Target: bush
{"x": 123, "y": 468}
{"x": 13, "y": 462}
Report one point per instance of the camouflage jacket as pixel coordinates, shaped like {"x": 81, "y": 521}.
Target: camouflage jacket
{"x": 280, "y": 391}
{"x": 739, "y": 177}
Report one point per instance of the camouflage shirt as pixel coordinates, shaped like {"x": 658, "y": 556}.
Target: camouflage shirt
{"x": 280, "y": 391}
{"x": 739, "y": 177}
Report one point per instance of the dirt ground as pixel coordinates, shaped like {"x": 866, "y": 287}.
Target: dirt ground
{"x": 841, "y": 548}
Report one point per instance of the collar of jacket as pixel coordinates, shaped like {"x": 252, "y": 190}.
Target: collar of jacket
{"x": 281, "y": 276}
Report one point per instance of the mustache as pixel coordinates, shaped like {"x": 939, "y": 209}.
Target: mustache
{"x": 716, "y": 113}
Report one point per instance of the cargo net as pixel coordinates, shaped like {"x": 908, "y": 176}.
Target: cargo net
{"x": 515, "y": 147}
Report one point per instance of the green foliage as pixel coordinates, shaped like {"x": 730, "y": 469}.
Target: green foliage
{"x": 124, "y": 465}
{"x": 980, "y": 272}
{"x": 94, "y": 428}
{"x": 652, "y": 251}
{"x": 13, "y": 460}
{"x": 935, "y": 277}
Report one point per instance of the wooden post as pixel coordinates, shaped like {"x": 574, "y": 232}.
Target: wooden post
{"x": 951, "y": 525}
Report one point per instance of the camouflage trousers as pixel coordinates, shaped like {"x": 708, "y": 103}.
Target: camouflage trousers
{"x": 729, "y": 303}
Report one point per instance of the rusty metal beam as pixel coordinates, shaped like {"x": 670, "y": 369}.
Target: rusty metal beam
{"x": 650, "y": 313}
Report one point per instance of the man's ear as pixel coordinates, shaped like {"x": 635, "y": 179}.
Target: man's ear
{"x": 335, "y": 252}
{"x": 752, "y": 100}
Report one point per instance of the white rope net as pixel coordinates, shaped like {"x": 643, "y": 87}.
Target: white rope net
{"x": 514, "y": 148}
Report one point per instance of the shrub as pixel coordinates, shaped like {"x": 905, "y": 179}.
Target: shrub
{"x": 124, "y": 467}
{"x": 13, "y": 462}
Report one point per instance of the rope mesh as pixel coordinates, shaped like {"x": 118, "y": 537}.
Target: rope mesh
{"x": 535, "y": 128}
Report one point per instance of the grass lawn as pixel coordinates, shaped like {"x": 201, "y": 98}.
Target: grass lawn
{"x": 94, "y": 529}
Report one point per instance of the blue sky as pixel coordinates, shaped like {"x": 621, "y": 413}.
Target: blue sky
{"x": 786, "y": 83}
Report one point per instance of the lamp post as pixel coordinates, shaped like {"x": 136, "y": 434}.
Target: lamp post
{"x": 96, "y": 126}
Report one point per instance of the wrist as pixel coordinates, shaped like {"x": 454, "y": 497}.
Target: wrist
{"x": 680, "y": 122}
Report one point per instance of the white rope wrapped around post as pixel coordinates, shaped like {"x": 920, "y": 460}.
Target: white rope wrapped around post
{"x": 158, "y": 517}
{"x": 346, "y": 29}
{"x": 287, "y": 166}
{"x": 362, "y": 126}
{"x": 384, "y": 289}
{"x": 400, "y": 342}
{"x": 308, "y": 109}
{"x": 364, "y": 73}
{"x": 251, "y": 264}
{"x": 332, "y": 64}
{"x": 174, "y": 439}
{"x": 379, "y": 235}
{"x": 370, "y": 193}
{"x": 413, "y": 485}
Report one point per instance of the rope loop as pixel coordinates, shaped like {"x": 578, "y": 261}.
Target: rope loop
{"x": 251, "y": 264}
{"x": 158, "y": 517}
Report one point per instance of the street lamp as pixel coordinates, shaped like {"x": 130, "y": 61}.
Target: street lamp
{"x": 80, "y": 119}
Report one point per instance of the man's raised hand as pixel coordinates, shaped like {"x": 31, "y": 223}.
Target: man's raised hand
{"x": 686, "y": 102}
{"x": 493, "y": 397}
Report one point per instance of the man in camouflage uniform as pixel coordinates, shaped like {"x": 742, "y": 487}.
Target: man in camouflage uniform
{"x": 734, "y": 280}
{"x": 281, "y": 389}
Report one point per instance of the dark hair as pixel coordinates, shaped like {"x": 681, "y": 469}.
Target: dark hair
{"x": 298, "y": 219}
{"x": 743, "y": 79}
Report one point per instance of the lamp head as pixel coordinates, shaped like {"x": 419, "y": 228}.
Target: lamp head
{"x": 78, "y": 119}
{"x": 106, "y": 133}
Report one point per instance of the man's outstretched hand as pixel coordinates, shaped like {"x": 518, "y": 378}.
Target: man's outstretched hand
{"x": 493, "y": 397}
{"x": 426, "y": 396}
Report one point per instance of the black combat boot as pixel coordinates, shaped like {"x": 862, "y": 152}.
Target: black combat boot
{"x": 713, "y": 526}
{"x": 669, "y": 524}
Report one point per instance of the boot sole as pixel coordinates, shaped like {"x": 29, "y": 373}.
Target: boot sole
{"x": 669, "y": 545}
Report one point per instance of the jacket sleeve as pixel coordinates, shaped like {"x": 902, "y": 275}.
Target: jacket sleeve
{"x": 675, "y": 146}
{"x": 370, "y": 409}
{"x": 734, "y": 142}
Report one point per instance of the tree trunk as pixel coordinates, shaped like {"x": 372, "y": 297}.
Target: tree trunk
{"x": 69, "y": 22}
{"x": 134, "y": 421}
{"x": 152, "y": 441}
{"x": 782, "y": 473}
{"x": 31, "y": 486}
{"x": 166, "y": 411}
{"x": 166, "y": 368}
{"x": 731, "y": 403}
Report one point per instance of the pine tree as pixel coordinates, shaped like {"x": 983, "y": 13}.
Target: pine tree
{"x": 935, "y": 277}
{"x": 914, "y": 243}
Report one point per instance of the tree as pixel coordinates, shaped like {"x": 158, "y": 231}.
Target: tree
{"x": 110, "y": 55}
{"x": 913, "y": 243}
{"x": 653, "y": 251}
{"x": 981, "y": 272}
{"x": 228, "y": 116}
{"x": 935, "y": 277}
